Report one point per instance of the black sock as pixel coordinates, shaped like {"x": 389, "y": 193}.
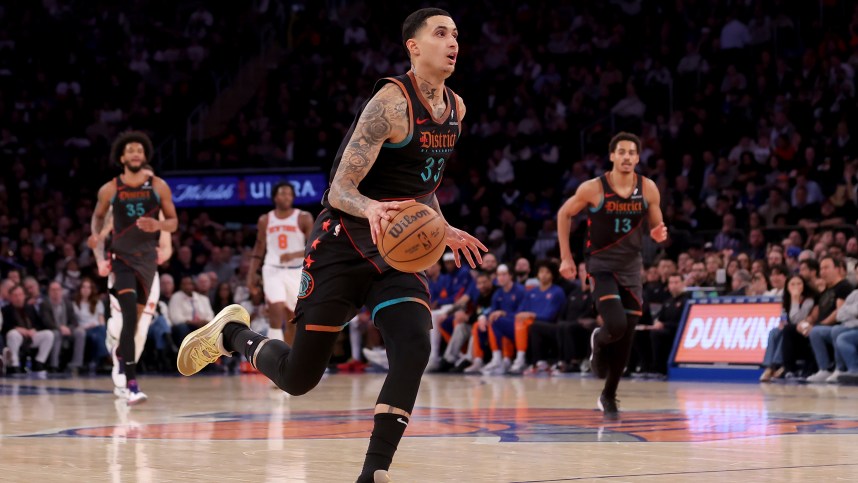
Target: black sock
{"x": 385, "y": 438}
{"x": 235, "y": 336}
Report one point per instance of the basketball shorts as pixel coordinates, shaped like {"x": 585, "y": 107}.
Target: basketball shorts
{"x": 134, "y": 273}
{"x": 343, "y": 272}
{"x": 281, "y": 284}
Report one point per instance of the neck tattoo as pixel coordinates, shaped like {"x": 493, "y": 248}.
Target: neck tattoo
{"x": 427, "y": 89}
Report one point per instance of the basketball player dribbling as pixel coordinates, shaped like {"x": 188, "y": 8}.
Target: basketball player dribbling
{"x": 136, "y": 198}
{"x": 618, "y": 201}
{"x": 281, "y": 237}
{"x": 395, "y": 151}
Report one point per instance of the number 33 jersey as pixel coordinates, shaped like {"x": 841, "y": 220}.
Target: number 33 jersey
{"x": 614, "y": 232}
{"x": 129, "y": 204}
{"x": 415, "y": 166}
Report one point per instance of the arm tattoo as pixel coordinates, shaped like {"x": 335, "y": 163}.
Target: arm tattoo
{"x": 381, "y": 116}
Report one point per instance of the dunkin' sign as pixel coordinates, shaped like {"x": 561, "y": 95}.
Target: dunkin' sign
{"x": 726, "y": 333}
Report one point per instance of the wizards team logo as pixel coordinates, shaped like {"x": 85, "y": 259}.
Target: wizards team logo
{"x": 307, "y": 285}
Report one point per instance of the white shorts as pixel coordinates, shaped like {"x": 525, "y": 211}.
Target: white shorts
{"x": 114, "y": 323}
{"x": 281, "y": 285}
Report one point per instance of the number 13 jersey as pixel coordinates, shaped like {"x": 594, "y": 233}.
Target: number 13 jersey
{"x": 415, "y": 166}
{"x": 614, "y": 230}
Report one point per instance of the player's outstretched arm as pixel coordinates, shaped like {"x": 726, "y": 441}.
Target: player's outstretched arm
{"x": 658, "y": 231}
{"x": 385, "y": 118}
{"x": 587, "y": 195}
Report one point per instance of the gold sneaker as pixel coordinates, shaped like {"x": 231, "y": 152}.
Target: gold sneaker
{"x": 381, "y": 476}
{"x": 205, "y": 345}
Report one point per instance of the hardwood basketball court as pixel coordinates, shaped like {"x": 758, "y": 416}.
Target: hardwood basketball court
{"x": 465, "y": 429}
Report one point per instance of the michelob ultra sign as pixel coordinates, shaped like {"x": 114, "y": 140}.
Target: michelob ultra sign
{"x": 726, "y": 331}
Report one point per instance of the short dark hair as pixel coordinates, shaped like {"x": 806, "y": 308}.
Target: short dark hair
{"x": 126, "y": 138}
{"x": 780, "y": 268}
{"x": 624, "y": 136}
{"x": 552, "y": 267}
{"x": 812, "y": 265}
{"x": 279, "y": 185}
{"x": 838, "y": 262}
{"x": 417, "y": 20}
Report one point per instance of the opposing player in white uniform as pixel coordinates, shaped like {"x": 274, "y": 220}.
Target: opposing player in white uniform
{"x": 282, "y": 235}
{"x": 114, "y": 323}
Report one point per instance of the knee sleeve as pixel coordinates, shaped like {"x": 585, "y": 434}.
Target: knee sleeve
{"x": 128, "y": 304}
{"x": 405, "y": 328}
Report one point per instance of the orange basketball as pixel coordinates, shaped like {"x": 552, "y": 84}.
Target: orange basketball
{"x": 414, "y": 239}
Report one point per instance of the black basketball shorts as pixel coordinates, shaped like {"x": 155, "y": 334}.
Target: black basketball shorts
{"x": 343, "y": 272}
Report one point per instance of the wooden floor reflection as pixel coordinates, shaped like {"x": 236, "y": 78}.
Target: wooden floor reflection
{"x": 465, "y": 429}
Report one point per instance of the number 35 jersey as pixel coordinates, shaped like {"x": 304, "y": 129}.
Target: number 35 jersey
{"x": 129, "y": 204}
{"x": 614, "y": 232}
{"x": 415, "y": 166}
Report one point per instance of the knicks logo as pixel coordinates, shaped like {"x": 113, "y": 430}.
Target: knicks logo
{"x": 430, "y": 140}
{"x": 307, "y": 285}
{"x": 507, "y": 425}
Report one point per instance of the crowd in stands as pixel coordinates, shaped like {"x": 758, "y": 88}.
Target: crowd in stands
{"x": 745, "y": 110}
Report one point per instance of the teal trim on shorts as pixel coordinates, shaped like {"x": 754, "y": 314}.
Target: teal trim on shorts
{"x": 394, "y": 302}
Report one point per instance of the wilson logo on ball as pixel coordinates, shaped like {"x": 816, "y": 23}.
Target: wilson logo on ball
{"x": 407, "y": 220}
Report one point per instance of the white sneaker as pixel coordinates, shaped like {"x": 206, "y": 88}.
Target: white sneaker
{"x": 135, "y": 398}
{"x": 819, "y": 377}
{"x": 498, "y": 369}
{"x": 381, "y": 476}
{"x": 475, "y": 367}
{"x": 491, "y": 366}
{"x": 377, "y": 357}
{"x": 433, "y": 364}
{"x": 832, "y": 379}
{"x": 518, "y": 366}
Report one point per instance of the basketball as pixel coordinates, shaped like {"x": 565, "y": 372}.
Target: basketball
{"x": 414, "y": 239}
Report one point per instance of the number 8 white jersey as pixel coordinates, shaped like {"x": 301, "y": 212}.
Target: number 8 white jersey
{"x": 284, "y": 236}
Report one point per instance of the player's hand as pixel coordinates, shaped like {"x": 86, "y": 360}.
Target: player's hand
{"x": 163, "y": 256}
{"x": 659, "y": 233}
{"x": 103, "y": 267}
{"x": 568, "y": 269}
{"x": 495, "y": 315}
{"x": 253, "y": 283}
{"x": 381, "y": 210}
{"x": 147, "y": 224}
{"x": 286, "y": 257}
{"x": 458, "y": 239}
{"x": 93, "y": 241}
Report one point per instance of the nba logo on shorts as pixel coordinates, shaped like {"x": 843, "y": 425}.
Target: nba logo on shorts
{"x": 306, "y": 285}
